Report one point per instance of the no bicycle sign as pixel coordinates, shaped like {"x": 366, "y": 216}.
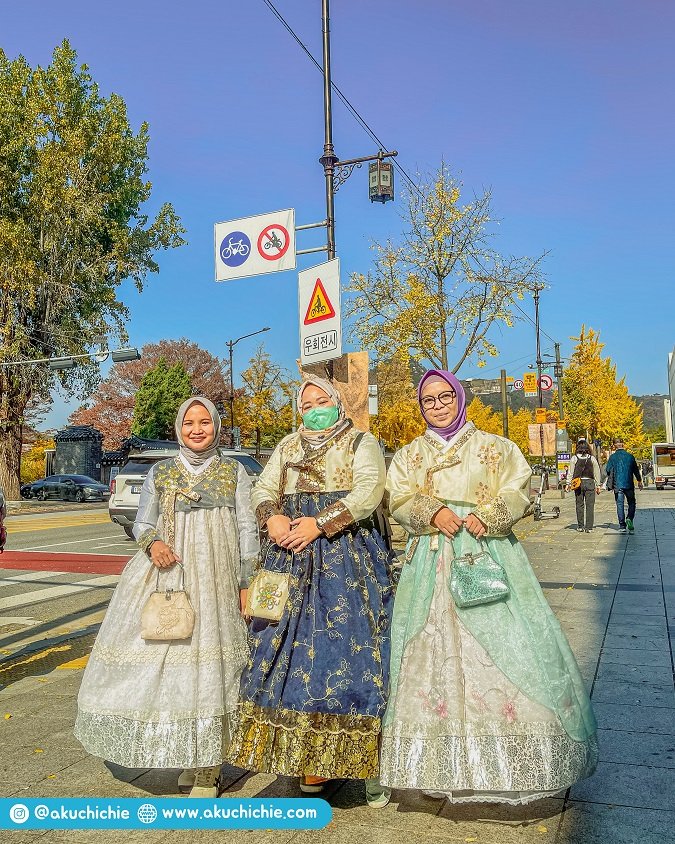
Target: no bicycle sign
{"x": 255, "y": 245}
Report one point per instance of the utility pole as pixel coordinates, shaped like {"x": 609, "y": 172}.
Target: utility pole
{"x": 505, "y": 405}
{"x": 558, "y": 372}
{"x": 539, "y": 362}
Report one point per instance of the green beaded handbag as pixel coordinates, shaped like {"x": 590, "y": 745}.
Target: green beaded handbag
{"x": 477, "y": 578}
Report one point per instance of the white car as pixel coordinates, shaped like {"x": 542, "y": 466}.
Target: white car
{"x": 125, "y": 488}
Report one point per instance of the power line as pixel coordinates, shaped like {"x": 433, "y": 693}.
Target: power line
{"x": 357, "y": 116}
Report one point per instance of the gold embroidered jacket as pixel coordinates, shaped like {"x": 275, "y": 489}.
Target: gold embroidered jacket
{"x": 352, "y": 462}
{"x": 481, "y": 471}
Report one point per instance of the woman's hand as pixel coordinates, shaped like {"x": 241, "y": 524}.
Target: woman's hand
{"x": 597, "y": 490}
{"x": 304, "y": 530}
{"x": 243, "y": 595}
{"x": 278, "y": 529}
{"x": 475, "y": 527}
{"x": 162, "y": 556}
{"x": 447, "y": 521}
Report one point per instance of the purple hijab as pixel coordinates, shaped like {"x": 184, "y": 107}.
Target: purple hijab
{"x": 459, "y": 420}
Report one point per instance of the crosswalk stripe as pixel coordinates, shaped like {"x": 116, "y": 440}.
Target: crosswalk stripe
{"x": 40, "y": 595}
{"x": 9, "y": 579}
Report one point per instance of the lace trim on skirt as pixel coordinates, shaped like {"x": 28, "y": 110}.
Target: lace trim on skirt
{"x": 191, "y": 743}
{"x": 292, "y": 743}
{"x": 488, "y": 763}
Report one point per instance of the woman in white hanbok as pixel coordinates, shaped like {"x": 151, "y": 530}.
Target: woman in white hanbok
{"x": 486, "y": 702}
{"x": 172, "y": 704}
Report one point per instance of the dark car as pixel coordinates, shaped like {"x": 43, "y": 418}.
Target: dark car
{"x": 68, "y": 488}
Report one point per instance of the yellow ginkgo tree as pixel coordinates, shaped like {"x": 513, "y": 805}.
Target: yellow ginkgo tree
{"x": 438, "y": 292}
{"x": 597, "y": 403}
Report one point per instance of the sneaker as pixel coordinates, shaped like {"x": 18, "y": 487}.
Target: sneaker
{"x": 622, "y": 530}
{"x": 377, "y": 796}
{"x": 630, "y": 526}
{"x": 187, "y": 779}
{"x": 206, "y": 782}
{"x": 312, "y": 785}
{"x": 588, "y": 530}
{"x": 580, "y": 529}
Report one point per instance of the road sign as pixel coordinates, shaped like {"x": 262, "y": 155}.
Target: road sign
{"x": 518, "y": 384}
{"x": 510, "y": 379}
{"x": 546, "y": 382}
{"x": 255, "y": 245}
{"x": 319, "y": 308}
{"x": 540, "y": 415}
{"x": 530, "y": 382}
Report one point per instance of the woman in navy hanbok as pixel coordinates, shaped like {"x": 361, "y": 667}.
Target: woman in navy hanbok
{"x": 315, "y": 689}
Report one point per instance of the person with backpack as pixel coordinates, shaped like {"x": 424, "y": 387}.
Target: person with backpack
{"x": 584, "y": 478}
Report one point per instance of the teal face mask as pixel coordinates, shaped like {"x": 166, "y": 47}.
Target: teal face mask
{"x": 320, "y": 418}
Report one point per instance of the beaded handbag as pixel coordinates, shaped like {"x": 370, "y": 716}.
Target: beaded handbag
{"x": 168, "y": 616}
{"x": 477, "y": 578}
{"x": 267, "y": 595}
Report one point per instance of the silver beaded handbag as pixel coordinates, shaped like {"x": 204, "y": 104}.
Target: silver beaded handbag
{"x": 477, "y": 578}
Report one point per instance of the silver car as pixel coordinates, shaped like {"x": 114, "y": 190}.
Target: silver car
{"x": 125, "y": 487}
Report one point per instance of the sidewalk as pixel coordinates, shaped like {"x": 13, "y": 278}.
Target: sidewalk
{"x": 614, "y": 596}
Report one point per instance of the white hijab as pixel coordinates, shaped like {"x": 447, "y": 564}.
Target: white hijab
{"x": 198, "y": 458}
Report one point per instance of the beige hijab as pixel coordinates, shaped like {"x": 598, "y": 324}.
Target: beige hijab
{"x": 317, "y": 438}
{"x": 198, "y": 458}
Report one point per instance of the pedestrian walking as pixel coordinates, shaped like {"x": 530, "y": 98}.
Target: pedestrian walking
{"x": 171, "y": 703}
{"x": 486, "y": 701}
{"x": 3, "y": 514}
{"x": 584, "y": 478}
{"x": 315, "y": 689}
{"x": 622, "y": 472}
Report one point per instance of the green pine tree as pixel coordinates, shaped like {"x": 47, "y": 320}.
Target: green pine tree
{"x": 162, "y": 391}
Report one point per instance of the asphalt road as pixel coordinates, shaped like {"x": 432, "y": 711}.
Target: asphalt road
{"x": 57, "y": 574}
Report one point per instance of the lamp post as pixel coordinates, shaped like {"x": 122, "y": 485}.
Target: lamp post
{"x": 70, "y": 362}
{"x": 230, "y": 345}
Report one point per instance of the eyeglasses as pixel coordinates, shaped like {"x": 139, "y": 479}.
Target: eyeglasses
{"x": 444, "y": 399}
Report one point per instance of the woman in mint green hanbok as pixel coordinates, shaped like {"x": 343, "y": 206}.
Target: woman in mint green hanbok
{"x": 486, "y": 702}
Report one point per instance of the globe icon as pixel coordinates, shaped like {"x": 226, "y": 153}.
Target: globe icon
{"x": 147, "y": 813}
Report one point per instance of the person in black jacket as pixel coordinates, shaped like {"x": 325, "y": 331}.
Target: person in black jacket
{"x": 586, "y": 469}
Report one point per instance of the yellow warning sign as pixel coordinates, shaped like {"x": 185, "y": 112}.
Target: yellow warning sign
{"x": 540, "y": 415}
{"x": 530, "y": 382}
{"x": 319, "y": 305}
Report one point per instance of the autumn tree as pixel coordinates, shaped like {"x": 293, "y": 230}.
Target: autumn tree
{"x": 597, "y": 403}
{"x": 438, "y": 293}
{"x": 112, "y": 405}
{"x": 33, "y": 461}
{"x": 398, "y": 420}
{"x": 161, "y": 392}
{"x": 484, "y": 417}
{"x": 264, "y": 408}
{"x": 72, "y": 229}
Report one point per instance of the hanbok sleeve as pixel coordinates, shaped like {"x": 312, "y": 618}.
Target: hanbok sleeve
{"x": 368, "y": 477}
{"x": 408, "y": 506}
{"x": 249, "y": 542}
{"x": 145, "y": 527}
{"x": 501, "y": 513}
{"x": 265, "y": 493}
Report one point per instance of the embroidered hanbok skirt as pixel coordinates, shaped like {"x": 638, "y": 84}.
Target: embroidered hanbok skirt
{"x": 315, "y": 688}
{"x": 487, "y": 703}
{"x": 169, "y": 704}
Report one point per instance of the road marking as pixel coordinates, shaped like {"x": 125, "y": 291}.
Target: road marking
{"x": 18, "y": 525}
{"x": 80, "y": 662}
{"x": 72, "y": 542}
{"x": 49, "y": 594}
{"x": 23, "y": 621}
{"x": 111, "y": 544}
{"x": 30, "y": 575}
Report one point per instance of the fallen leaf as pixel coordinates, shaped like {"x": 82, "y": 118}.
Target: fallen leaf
{"x": 38, "y": 750}
{"x": 8, "y": 715}
{"x": 542, "y": 828}
{"x": 51, "y": 776}
{"x": 569, "y": 587}
{"x": 471, "y": 838}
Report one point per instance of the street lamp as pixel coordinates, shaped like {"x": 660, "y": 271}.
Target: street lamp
{"x": 230, "y": 345}
{"x": 70, "y": 361}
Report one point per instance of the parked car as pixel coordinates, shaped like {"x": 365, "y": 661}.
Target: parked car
{"x": 125, "y": 488}
{"x": 66, "y": 487}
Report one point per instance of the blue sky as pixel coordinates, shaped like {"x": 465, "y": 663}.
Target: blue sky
{"x": 562, "y": 109}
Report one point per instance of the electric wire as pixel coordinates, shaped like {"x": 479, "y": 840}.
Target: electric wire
{"x": 341, "y": 95}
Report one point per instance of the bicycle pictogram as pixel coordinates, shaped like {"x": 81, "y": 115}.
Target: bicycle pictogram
{"x": 273, "y": 242}
{"x": 235, "y": 249}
